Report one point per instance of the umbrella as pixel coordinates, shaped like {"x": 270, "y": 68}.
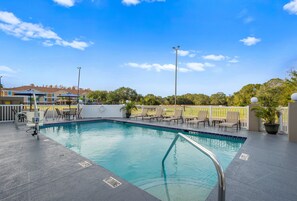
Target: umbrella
{"x": 29, "y": 93}
{"x": 69, "y": 96}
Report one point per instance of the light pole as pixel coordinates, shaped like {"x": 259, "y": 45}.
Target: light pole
{"x": 78, "y": 80}
{"x": 175, "y": 91}
{"x": 0, "y": 86}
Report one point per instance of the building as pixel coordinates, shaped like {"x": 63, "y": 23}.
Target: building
{"x": 51, "y": 93}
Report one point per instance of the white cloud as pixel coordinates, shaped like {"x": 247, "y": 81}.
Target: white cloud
{"x": 9, "y": 18}
{"x": 156, "y": 67}
{"x": 188, "y": 67}
{"x": 214, "y": 57}
{"x": 183, "y": 53}
{"x": 130, "y": 2}
{"x": 233, "y": 60}
{"x": 27, "y": 31}
{"x": 291, "y": 7}
{"x": 196, "y": 66}
{"x": 249, "y": 41}
{"x": 6, "y": 69}
{"x": 248, "y": 20}
{"x": 66, "y": 3}
{"x": 244, "y": 15}
{"x": 209, "y": 65}
{"x": 135, "y": 2}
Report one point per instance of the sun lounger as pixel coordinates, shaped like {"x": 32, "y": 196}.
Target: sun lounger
{"x": 202, "y": 118}
{"x": 142, "y": 115}
{"x": 158, "y": 115}
{"x": 232, "y": 119}
{"x": 178, "y": 115}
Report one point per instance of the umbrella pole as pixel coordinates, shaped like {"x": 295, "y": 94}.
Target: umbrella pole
{"x": 30, "y": 103}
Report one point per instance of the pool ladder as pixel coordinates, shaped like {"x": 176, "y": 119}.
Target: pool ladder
{"x": 212, "y": 156}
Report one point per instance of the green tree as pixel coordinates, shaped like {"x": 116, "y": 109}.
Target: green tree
{"x": 218, "y": 99}
{"x": 201, "y": 99}
{"x": 121, "y": 95}
{"x": 151, "y": 99}
{"x": 278, "y": 87}
{"x": 244, "y": 95}
{"x": 98, "y": 96}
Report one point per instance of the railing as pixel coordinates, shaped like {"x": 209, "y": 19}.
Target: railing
{"x": 7, "y": 114}
{"x": 283, "y": 120}
{"x": 212, "y": 156}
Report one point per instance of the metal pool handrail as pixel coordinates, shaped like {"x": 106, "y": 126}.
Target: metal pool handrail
{"x": 212, "y": 156}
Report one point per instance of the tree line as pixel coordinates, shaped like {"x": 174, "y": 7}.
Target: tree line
{"x": 278, "y": 89}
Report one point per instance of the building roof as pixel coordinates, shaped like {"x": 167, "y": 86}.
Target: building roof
{"x": 49, "y": 89}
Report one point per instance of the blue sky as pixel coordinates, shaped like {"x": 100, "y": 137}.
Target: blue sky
{"x": 224, "y": 44}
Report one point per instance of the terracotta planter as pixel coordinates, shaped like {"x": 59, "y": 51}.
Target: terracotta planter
{"x": 271, "y": 128}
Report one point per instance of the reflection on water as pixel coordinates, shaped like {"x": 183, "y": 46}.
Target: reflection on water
{"x": 135, "y": 154}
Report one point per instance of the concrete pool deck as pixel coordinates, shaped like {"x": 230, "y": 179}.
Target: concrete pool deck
{"x": 46, "y": 170}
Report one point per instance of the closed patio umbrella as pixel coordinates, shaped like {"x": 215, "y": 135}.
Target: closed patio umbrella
{"x": 69, "y": 96}
{"x": 30, "y": 94}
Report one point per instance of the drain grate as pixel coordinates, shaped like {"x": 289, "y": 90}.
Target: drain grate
{"x": 85, "y": 164}
{"x": 112, "y": 182}
{"x": 244, "y": 157}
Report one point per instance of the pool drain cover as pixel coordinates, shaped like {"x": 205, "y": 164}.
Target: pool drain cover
{"x": 244, "y": 157}
{"x": 85, "y": 164}
{"x": 112, "y": 182}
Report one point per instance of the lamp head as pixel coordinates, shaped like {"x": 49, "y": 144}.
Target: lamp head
{"x": 254, "y": 100}
{"x": 294, "y": 97}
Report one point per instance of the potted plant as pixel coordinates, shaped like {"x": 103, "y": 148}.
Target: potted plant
{"x": 268, "y": 111}
{"x": 129, "y": 107}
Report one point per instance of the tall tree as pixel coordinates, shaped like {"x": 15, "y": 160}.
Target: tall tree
{"x": 244, "y": 95}
{"x": 218, "y": 99}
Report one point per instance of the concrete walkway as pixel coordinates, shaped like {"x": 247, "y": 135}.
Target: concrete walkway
{"x": 45, "y": 170}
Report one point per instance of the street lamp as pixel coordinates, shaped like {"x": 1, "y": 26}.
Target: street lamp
{"x": 0, "y": 86}
{"x": 175, "y": 91}
{"x": 78, "y": 80}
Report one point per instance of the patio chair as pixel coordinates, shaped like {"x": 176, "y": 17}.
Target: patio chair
{"x": 72, "y": 112}
{"x": 142, "y": 114}
{"x": 45, "y": 112}
{"x": 178, "y": 115}
{"x": 202, "y": 118}
{"x": 157, "y": 116}
{"x": 232, "y": 119}
{"x": 59, "y": 114}
{"x": 79, "y": 112}
{"x": 20, "y": 117}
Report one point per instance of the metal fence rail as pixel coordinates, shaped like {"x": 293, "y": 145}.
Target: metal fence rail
{"x": 7, "y": 114}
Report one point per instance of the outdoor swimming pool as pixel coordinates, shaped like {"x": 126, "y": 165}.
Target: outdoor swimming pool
{"x": 135, "y": 153}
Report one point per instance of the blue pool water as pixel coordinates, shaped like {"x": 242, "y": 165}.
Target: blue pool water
{"x": 135, "y": 153}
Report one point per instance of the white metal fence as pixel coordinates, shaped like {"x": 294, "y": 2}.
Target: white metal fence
{"x": 214, "y": 112}
{"x": 7, "y": 113}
